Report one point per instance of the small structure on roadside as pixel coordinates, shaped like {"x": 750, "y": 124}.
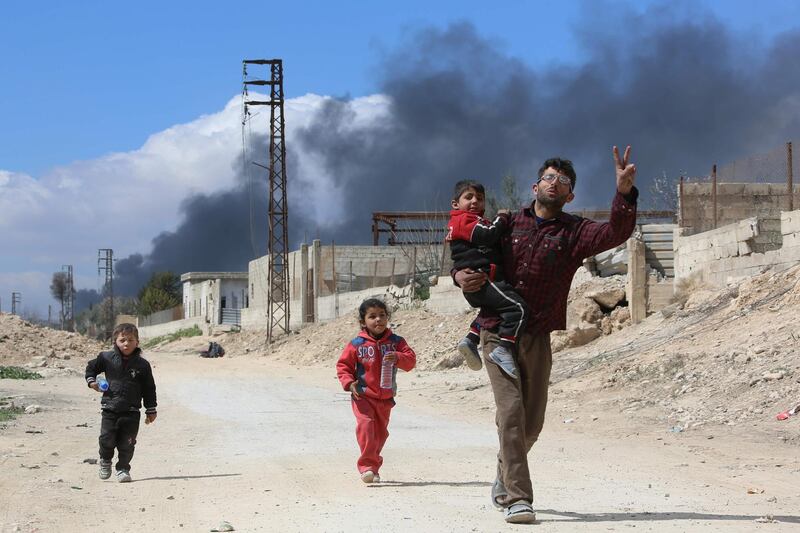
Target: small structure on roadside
{"x": 218, "y": 297}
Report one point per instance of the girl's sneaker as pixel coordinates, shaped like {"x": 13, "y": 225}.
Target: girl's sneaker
{"x": 123, "y": 476}
{"x": 368, "y": 476}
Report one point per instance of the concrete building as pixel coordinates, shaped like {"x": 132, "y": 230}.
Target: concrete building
{"x": 217, "y": 297}
{"x": 326, "y": 279}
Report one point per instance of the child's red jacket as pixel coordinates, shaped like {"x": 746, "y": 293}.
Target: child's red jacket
{"x": 361, "y": 362}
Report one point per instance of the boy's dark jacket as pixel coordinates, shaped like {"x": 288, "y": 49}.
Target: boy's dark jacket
{"x": 475, "y": 242}
{"x": 128, "y": 384}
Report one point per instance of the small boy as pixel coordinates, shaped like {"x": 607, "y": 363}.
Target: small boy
{"x": 474, "y": 244}
{"x": 130, "y": 381}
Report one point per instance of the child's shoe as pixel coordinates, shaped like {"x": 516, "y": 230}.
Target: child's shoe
{"x": 105, "y": 469}
{"x": 469, "y": 350}
{"x": 503, "y": 358}
{"x": 123, "y": 476}
{"x": 368, "y": 476}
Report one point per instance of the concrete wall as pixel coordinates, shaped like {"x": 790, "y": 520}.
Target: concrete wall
{"x": 323, "y": 279}
{"x": 732, "y": 252}
{"x": 198, "y": 299}
{"x": 328, "y": 307}
{"x": 161, "y": 317}
{"x": 149, "y": 332}
{"x": 737, "y": 201}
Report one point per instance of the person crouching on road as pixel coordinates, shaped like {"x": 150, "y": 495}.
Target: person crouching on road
{"x": 130, "y": 381}
{"x": 367, "y": 369}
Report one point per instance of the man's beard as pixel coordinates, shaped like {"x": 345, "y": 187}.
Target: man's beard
{"x": 557, "y": 202}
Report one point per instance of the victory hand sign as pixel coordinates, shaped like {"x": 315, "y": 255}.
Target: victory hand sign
{"x": 626, "y": 172}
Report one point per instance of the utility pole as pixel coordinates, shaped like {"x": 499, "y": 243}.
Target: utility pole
{"x": 105, "y": 263}
{"x": 69, "y": 301}
{"x": 278, "y": 273}
{"x": 16, "y": 302}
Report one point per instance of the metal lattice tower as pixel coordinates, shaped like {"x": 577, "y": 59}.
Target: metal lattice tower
{"x": 16, "y": 302}
{"x": 69, "y": 300}
{"x": 278, "y": 275}
{"x": 105, "y": 263}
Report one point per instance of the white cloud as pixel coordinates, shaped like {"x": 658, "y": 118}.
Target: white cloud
{"x": 123, "y": 200}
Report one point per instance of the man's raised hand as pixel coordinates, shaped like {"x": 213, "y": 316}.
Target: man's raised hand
{"x": 626, "y": 171}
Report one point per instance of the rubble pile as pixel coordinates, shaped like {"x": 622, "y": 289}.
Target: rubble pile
{"x": 47, "y": 350}
{"x": 722, "y": 357}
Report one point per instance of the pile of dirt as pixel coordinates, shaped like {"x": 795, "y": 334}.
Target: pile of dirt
{"x": 433, "y": 337}
{"x": 726, "y": 356}
{"x": 48, "y": 351}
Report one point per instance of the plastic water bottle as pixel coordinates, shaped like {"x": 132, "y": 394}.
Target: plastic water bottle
{"x": 386, "y": 374}
{"x": 102, "y": 384}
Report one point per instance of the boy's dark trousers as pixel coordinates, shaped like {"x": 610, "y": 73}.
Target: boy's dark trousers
{"x": 502, "y": 298}
{"x": 119, "y": 430}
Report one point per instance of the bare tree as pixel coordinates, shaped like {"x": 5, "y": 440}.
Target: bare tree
{"x": 663, "y": 193}
{"x": 58, "y": 288}
{"x": 510, "y": 197}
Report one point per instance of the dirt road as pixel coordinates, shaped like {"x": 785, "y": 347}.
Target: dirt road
{"x": 271, "y": 447}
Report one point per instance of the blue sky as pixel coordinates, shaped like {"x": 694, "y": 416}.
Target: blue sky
{"x": 86, "y": 78}
{"x": 103, "y": 103}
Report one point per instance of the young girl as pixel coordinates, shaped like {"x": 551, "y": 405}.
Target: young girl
{"x": 367, "y": 369}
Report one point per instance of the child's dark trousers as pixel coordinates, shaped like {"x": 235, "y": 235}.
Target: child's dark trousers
{"x": 119, "y": 430}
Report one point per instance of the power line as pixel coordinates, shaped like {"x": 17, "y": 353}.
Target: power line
{"x": 105, "y": 264}
{"x": 277, "y": 249}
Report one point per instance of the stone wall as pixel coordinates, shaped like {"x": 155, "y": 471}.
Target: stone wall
{"x": 735, "y": 251}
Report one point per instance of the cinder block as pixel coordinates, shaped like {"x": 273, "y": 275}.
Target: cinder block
{"x": 787, "y": 254}
{"x": 744, "y": 248}
{"x": 730, "y": 189}
{"x": 793, "y": 239}
{"x": 747, "y": 229}
{"x": 790, "y": 222}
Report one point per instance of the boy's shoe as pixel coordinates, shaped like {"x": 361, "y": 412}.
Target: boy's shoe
{"x": 123, "y": 476}
{"x": 469, "y": 350}
{"x": 368, "y": 476}
{"x": 105, "y": 469}
{"x": 503, "y": 358}
{"x": 520, "y": 512}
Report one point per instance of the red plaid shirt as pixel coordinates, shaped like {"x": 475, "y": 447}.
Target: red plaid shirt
{"x": 540, "y": 259}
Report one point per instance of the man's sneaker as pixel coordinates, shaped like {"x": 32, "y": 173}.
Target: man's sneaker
{"x": 368, "y": 476}
{"x": 498, "y": 494}
{"x": 469, "y": 350}
{"x": 123, "y": 476}
{"x": 520, "y": 512}
{"x": 503, "y": 358}
{"x": 105, "y": 469}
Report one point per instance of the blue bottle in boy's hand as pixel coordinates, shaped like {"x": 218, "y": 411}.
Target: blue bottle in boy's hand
{"x": 102, "y": 384}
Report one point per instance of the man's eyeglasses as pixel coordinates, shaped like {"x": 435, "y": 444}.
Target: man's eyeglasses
{"x": 563, "y": 180}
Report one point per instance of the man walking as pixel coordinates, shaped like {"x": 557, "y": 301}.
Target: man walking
{"x": 542, "y": 250}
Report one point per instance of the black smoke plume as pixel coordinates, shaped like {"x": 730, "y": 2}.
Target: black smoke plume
{"x": 681, "y": 89}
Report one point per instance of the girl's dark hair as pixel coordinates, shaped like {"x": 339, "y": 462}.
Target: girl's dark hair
{"x": 370, "y": 302}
